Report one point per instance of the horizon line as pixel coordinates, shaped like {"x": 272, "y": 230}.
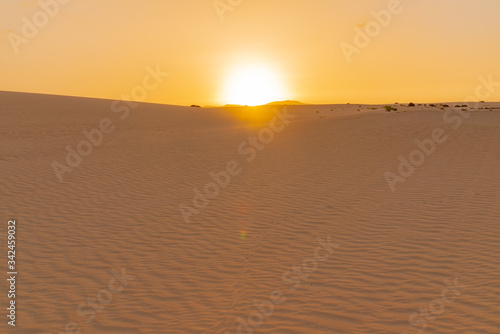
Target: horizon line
{"x": 230, "y": 105}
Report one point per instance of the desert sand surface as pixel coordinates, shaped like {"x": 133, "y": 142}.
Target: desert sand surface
{"x": 309, "y": 226}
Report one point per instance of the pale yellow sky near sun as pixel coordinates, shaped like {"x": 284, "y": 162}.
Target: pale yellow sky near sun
{"x": 430, "y": 51}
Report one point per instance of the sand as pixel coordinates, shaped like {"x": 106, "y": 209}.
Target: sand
{"x": 107, "y": 250}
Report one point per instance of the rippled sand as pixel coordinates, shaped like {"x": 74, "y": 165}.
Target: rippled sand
{"x": 309, "y": 232}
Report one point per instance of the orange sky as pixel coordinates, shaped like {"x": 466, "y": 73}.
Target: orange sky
{"x": 429, "y": 51}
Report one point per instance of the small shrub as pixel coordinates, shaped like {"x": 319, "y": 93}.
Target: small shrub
{"x": 411, "y": 104}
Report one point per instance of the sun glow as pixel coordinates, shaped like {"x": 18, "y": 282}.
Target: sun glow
{"x": 253, "y": 85}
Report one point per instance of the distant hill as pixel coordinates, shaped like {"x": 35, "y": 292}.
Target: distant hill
{"x": 287, "y": 102}
{"x": 277, "y": 103}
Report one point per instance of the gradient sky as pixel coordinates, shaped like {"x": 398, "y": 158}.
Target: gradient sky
{"x": 433, "y": 51}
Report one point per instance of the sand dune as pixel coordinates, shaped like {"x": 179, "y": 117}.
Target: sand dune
{"x": 314, "y": 199}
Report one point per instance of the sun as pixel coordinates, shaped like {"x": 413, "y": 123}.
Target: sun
{"x": 253, "y": 85}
